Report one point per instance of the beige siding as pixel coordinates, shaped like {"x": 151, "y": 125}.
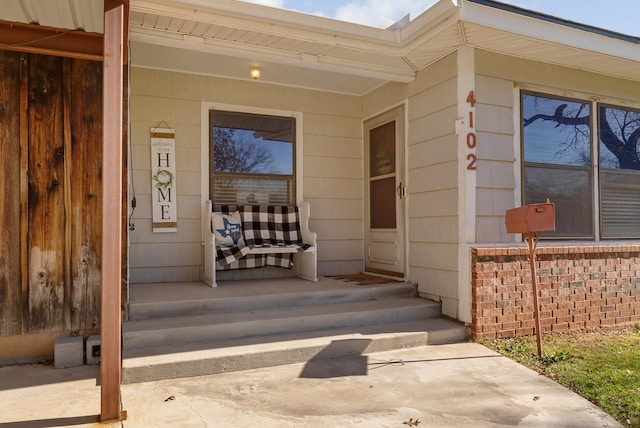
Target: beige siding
{"x": 432, "y": 176}
{"x": 333, "y": 185}
{"x": 497, "y": 76}
{"x": 433, "y": 183}
{"x": 560, "y": 78}
{"x": 332, "y": 168}
{"x": 495, "y": 151}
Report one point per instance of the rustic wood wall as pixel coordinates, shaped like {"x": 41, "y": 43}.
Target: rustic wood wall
{"x": 51, "y": 187}
{"x": 11, "y": 318}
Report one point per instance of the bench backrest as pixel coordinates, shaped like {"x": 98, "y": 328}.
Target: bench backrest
{"x": 266, "y": 224}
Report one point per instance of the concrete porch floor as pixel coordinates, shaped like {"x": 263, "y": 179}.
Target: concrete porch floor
{"x": 190, "y": 329}
{"x": 196, "y": 290}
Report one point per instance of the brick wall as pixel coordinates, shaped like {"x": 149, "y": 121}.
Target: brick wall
{"x": 580, "y": 288}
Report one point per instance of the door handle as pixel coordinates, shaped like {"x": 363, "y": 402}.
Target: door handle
{"x": 402, "y": 191}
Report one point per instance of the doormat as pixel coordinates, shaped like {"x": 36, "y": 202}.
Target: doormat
{"x": 365, "y": 279}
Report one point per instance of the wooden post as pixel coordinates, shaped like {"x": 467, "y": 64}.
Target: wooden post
{"x": 532, "y": 241}
{"x": 111, "y": 318}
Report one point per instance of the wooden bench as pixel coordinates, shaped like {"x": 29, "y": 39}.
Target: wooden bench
{"x": 272, "y": 235}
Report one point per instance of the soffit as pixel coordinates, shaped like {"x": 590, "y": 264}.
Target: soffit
{"x": 224, "y": 37}
{"x": 292, "y": 48}
{"x": 552, "y": 53}
{"x": 87, "y": 15}
{"x": 320, "y": 53}
{"x": 550, "y": 40}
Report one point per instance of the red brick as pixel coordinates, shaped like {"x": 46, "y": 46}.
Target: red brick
{"x": 505, "y": 318}
{"x": 491, "y": 312}
{"x": 505, "y": 333}
{"x": 525, "y": 331}
{"x": 482, "y": 305}
{"x": 580, "y": 304}
{"x": 485, "y": 320}
{"x": 511, "y": 311}
{"x": 577, "y": 325}
{"x": 580, "y": 318}
{"x": 578, "y": 311}
{"x": 591, "y": 323}
{"x": 596, "y": 316}
{"x": 626, "y": 312}
{"x": 545, "y": 300}
{"x": 486, "y": 275}
{"x": 547, "y": 321}
{"x": 510, "y": 326}
{"x": 565, "y": 305}
{"x": 560, "y": 327}
{"x": 524, "y": 316}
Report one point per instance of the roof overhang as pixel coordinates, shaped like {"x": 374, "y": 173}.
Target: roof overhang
{"x": 50, "y": 41}
{"x": 68, "y": 28}
{"x": 226, "y": 37}
{"x": 517, "y": 32}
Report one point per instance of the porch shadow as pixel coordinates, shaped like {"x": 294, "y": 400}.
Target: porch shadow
{"x": 338, "y": 359}
{"x": 32, "y": 375}
{"x": 53, "y": 422}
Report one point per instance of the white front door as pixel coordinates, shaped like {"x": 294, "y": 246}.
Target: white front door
{"x": 385, "y": 193}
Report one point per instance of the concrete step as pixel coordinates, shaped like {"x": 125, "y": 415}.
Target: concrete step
{"x": 176, "y": 307}
{"x": 169, "y": 361}
{"x": 275, "y": 320}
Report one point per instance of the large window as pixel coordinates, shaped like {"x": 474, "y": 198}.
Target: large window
{"x": 251, "y": 158}
{"x": 558, "y": 163}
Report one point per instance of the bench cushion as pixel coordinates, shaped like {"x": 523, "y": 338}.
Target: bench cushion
{"x": 263, "y": 226}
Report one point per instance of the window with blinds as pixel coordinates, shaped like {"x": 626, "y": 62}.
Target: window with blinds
{"x": 251, "y": 158}
{"x": 619, "y": 132}
{"x": 558, "y": 143}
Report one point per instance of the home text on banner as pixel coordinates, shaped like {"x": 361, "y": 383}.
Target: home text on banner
{"x": 163, "y": 180}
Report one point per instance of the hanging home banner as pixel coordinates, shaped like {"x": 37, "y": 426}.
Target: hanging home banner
{"x": 163, "y": 180}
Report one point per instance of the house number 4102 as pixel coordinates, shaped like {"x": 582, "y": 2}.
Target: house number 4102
{"x": 471, "y": 136}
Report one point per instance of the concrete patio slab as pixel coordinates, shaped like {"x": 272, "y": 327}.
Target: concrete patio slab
{"x": 455, "y": 385}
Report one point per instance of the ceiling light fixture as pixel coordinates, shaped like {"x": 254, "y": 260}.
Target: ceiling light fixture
{"x": 255, "y": 72}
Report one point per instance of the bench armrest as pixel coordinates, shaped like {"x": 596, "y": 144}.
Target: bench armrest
{"x": 304, "y": 212}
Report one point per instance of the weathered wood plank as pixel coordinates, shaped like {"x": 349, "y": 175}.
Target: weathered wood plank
{"x": 10, "y": 275}
{"x": 24, "y": 188}
{"x": 68, "y": 170}
{"x": 85, "y": 97}
{"x": 46, "y": 195}
{"x": 111, "y": 313}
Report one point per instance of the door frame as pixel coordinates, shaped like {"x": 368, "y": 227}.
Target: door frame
{"x": 397, "y": 112}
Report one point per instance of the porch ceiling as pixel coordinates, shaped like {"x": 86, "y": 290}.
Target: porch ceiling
{"x": 225, "y": 37}
{"x": 84, "y": 15}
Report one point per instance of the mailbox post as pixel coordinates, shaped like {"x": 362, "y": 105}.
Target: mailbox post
{"x": 529, "y": 220}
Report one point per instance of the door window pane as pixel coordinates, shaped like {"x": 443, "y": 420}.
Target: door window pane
{"x": 382, "y": 156}
{"x": 383, "y": 200}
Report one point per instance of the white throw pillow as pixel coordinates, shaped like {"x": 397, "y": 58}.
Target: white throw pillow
{"x": 227, "y": 229}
